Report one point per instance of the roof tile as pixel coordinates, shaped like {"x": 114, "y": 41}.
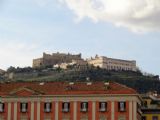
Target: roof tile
{"x": 64, "y": 88}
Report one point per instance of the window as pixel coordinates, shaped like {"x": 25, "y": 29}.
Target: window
{"x": 138, "y": 107}
{"x": 121, "y": 106}
{"x": 1, "y": 107}
{"x": 144, "y": 103}
{"x": 24, "y": 107}
{"x": 102, "y": 106}
{"x": 84, "y": 106}
{"x": 155, "y": 118}
{"x": 65, "y": 107}
{"x": 47, "y": 107}
{"x": 144, "y": 118}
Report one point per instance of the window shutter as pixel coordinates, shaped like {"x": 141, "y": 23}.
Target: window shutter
{"x": 45, "y": 106}
{"x": 26, "y": 106}
{"x": 118, "y": 106}
{"x": 87, "y": 106}
{"x": 21, "y": 107}
{"x": 124, "y": 105}
{"x": 68, "y": 106}
{"x": 100, "y": 106}
{"x": 2, "y": 107}
{"x": 50, "y": 106}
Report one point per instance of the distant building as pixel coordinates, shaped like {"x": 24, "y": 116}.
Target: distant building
{"x": 112, "y": 64}
{"x": 2, "y": 71}
{"x": 63, "y": 60}
{"x": 151, "y": 106}
{"x": 62, "y": 65}
{"x": 68, "y": 101}
{"x": 53, "y": 59}
{"x": 78, "y": 63}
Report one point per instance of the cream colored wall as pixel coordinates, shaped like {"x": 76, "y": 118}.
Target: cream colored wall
{"x": 37, "y": 62}
{"x": 149, "y": 116}
{"x": 109, "y": 63}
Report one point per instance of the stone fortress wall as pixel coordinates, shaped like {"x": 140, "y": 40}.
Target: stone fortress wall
{"x": 55, "y": 58}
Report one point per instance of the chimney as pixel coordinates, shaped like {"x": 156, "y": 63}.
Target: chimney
{"x": 89, "y": 83}
{"x": 106, "y": 83}
{"x": 42, "y": 83}
{"x": 71, "y": 83}
{"x": 155, "y": 94}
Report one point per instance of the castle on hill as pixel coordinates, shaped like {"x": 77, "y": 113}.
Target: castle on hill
{"x": 63, "y": 60}
{"x": 54, "y": 58}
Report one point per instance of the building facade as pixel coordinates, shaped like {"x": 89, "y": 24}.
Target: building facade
{"x": 68, "y": 101}
{"x": 53, "y": 59}
{"x": 113, "y": 64}
{"x": 151, "y": 107}
{"x": 80, "y": 63}
{"x": 2, "y": 72}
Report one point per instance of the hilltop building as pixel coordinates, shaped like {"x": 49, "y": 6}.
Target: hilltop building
{"x": 63, "y": 60}
{"x": 2, "y": 71}
{"x": 53, "y": 59}
{"x": 112, "y": 63}
{"x": 80, "y": 63}
{"x": 68, "y": 101}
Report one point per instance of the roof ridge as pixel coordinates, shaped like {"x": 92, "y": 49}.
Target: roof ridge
{"x": 125, "y": 86}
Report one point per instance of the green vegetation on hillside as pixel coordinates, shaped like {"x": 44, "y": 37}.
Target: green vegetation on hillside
{"x": 142, "y": 83}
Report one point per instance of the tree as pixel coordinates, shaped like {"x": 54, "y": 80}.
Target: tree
{"x": 11, "y": 69}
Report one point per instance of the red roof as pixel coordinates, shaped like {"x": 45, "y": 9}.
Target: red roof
{"x": 62, "y": 88}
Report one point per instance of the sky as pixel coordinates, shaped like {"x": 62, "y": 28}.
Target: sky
{"x": 124, "y": 29}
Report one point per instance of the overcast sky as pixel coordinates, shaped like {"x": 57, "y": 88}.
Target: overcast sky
{"x": 125, "y": 29}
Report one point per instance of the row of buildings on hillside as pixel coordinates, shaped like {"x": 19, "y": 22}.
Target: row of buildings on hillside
{"x": 63, "y": 60}
{"x": 74, "y": 101}
{"x": 151, "y": 106}
{"x": 2, "y": 72}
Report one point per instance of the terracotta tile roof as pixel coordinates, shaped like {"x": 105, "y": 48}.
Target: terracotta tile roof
{"x": 64, "y": 88}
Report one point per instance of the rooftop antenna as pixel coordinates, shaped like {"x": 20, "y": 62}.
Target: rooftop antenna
{"x": 71, "y": 83}
{"x": 88, "y": 81}
{"x": 87, "y": 78}
{"x": 42, "y": 83}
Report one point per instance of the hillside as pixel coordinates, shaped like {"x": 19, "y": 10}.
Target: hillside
{"x": 142, "y": 83}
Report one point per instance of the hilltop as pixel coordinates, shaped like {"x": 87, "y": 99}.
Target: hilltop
{"x": 135, "y": 79}
{"x": 69, "y": 67}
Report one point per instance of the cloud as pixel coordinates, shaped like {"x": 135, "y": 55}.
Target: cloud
{"x": 136, "y": 15}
